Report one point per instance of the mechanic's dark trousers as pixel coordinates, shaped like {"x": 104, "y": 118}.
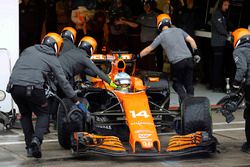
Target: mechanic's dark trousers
{"x": 247, "y": 113}
{"x": 183, "y": 78}
{"x": 35, "y": 103}
{"x": 53, "y": 106}
{"x": 218, "y": 64}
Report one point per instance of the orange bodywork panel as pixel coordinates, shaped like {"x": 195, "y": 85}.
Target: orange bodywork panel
{"x": 139, "y": 120}
{"x": 154, "y": 79}
{"x": 99, "y": 83}
{"x": 137, "y": 84}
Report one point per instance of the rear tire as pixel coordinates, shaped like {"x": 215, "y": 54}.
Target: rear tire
{"x": 63, "y": 128}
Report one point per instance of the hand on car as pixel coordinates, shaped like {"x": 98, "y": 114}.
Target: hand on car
{"x": 113, "y": 85}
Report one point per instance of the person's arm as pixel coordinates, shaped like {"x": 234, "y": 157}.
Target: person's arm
{"x": 191, "y": 41}
{"x": 89, "y": 72}
{"x": 151, "y": 47}
{"x": 146, "y": 51}
{"x": 86, "y": 62}
{"x": 195, "y": 51}
{"x": 123, "y": 21}
{"x": 241, "y": 67}
{"x": 130, "y": 23}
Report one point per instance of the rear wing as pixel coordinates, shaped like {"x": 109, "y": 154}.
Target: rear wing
{"x": 111, "y": 57}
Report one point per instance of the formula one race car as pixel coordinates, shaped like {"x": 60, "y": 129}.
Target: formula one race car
{"x": 126, "y": 121}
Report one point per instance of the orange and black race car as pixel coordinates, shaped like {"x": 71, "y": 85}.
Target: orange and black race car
{"x": 127, "y": 121}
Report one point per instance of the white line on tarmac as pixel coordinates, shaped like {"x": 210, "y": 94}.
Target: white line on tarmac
{"x": 231, "y": 123}
{"x": 22, "y": 142}
{"x": 19, "y": 135}
{"x": 229, "y": 129}
{"x": 214, "y": 130}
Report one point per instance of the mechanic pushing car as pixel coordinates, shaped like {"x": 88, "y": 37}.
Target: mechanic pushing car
{"x": 78, "y": 60}
{"x": 241, "y": 54}
{"x": 69, "y": 36}
{"x": 26, "y": 85}
{"x": 173, "y": 41}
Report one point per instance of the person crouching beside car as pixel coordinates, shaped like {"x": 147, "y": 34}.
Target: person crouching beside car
{"x": 241, "y": 54}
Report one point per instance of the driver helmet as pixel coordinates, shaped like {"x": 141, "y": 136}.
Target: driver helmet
{"x": 123, "y": 81}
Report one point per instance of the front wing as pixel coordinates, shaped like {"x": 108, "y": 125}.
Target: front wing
{"x": 112, "y": 146}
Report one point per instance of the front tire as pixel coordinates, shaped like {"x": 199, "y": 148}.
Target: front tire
{"x": 196, "y": 115}
{"x": 63, "y": 128}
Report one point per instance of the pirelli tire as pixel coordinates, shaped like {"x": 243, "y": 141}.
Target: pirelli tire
{"x": 63, "y": 128}
{"x": 196, "y": 115}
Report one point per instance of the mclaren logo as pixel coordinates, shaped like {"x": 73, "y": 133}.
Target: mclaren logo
{"x": 139, "y": 123}
{"x": 144, "y": 136}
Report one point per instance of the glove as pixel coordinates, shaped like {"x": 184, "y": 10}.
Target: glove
{"x": 196, "y": 56}
{"x": 138, "y": 56}
{"x": 197, "y": 59}
{"x": 113, "y": 85}
{"x": 85, "y": 111}
{"x": 82, "y": 107}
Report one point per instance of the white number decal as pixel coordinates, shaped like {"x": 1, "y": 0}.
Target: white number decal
{"x": 142, "y": 113}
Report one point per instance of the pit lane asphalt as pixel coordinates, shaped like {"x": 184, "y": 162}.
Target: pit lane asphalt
{"x": 230, "y": 137}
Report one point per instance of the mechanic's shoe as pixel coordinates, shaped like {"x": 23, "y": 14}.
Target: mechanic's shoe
{"x": 36, "y": 147}
{"x": 29, "y": 152}
{"x": 245, "y": 148}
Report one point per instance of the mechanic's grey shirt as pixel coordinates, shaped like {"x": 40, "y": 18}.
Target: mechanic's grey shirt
{"x": 148, "y": 28}
{"x": 242, "y": 60}
{"x": 218, "y": 29}
{"x": 35, "y": 62}
{"x": 173, "y": 42}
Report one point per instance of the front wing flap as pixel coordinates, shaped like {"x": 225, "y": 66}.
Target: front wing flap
{"x": 84, "y": 143}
